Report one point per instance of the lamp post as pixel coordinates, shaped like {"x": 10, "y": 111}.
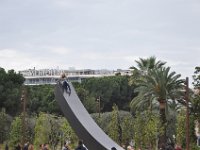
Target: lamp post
{"x": 187, "y": 114}
{"x": 99, "y": 105}
{"x": 23, "y": 102}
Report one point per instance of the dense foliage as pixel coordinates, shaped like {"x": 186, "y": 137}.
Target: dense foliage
{"x": 10, "y": 83}
{"x": 195, "y": 109}
{"x": 16, "y": 134}
{"x": 195, "y": 106}
{"x": 41, "y": 98}
{"x": 156, "y": 85}
{"x": 146, "y": 129}
{"x": 153, "y": 92}
{"x": 111, "y": 90}
{"x": 4, "y": 125}
{"x": 114, "y": 127}
{"x": 196, "y": 77}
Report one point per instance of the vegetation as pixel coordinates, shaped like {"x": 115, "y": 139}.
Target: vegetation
{"x": 196, "y": 97}
{"x": 42, "y": 130}
{"x": 67, "y": 133}
{"x": 10, "y": 85}
{"x": 156, "y": 84}
{"x": 4, "y": 127}
{"x": 146, "y": 129}
{"x": 180, "y": 131}
{"x": 146, "y": 108}
{"x": 41, "y": 99}
{"x": 111, "y": 90}
{"x": 115, "y": 129}
{"x": 16, "y": 132}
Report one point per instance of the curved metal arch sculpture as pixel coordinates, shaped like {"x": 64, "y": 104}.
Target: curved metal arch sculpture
{"x": 85, "y": 127}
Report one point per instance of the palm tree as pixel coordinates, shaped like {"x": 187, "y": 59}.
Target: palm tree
{"x": 143, "y": 67}
{"x": 161, "y": 85}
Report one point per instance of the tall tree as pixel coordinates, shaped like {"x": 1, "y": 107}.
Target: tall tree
{"x": 67, "y": 132}
{"x": 10, "y": 83}
{"x": 16, "y": 134}
{"x": 111, "y": 90}
{"x": 144, "y": 65}
{"x": 127, "y": 129}
{"x": 161, "y": 85}
{"x": 195, "y": 101}
{"x": 180, "y": 128}
{"x": 196, "y": 78}
{"x": 3, "y": 125}
{"x": 149, "y": 63}
{"x": 115, "y": 130}
{"x": 139, "y": 73}
{"x": 146, "y": 125}
{"x": 42, "y": 130}
{"x": 41, "y": 99}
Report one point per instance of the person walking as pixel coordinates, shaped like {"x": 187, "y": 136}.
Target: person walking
{"x": 65, "y": 147}
{"x": 30, "y": 147}
{"x": 80, "y": 146}
{"x": 41, "y": 146}
{"x": 178, "y": 147}
{"x": 6, "y": 147}
{"x": 46, "y": 146}
{"x": 26, "y": 145}
{"x": 18, "y": 147}
{"x": 65, "y": 84}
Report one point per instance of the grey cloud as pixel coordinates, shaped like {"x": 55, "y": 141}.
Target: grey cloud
{"x": 167, "y": 29}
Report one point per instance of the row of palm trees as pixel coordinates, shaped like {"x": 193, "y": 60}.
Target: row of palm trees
{"x": 157, "y": 87}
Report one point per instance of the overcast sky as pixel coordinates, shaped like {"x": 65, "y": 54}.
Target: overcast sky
{"x": 99, "y": 34}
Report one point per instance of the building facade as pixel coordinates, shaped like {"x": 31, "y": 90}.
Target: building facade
{"x": 51, "y": 76}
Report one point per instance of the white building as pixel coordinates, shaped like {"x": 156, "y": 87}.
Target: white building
{"x": 51, "y": 76}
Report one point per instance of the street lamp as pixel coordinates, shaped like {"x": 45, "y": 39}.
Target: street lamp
{"x": 23, "y": 101}
{"x": 99, "y": 105}
{"x": 187, "y": 113}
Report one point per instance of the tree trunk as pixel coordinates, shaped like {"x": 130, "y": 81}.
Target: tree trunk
{"x": 162, "y": 135}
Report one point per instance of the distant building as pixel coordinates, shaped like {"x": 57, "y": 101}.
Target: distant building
{"x": 51, "y": 76}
